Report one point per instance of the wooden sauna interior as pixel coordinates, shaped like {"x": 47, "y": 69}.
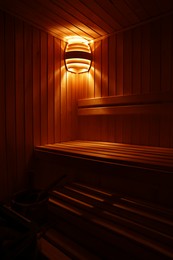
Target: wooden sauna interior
{"x": 125, "y": 101}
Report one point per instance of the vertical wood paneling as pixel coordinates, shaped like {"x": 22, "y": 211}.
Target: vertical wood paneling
{"x": 104, "y": 68}
{"x": 3, "y": 180}
{"x": 20, "y": 100}
{"x": 91, "y": 75}
{"x": 145, "y": 56}
{"x": 83, "y": 85}
{"x": 135, "y": 135}
{"x": 119, "y": 63}
{"x": 119, "y": 129}
{"x": 64, "y": 129}
{"x": 166, "y": 84}
{"x": 34, "y": 94}
{"x": 50, "y": 123}
{"x": 69, "y": 105}
{"x": 97, "y": 68}
{"x": 127, "y": 63}
{"x": 172, "y": 57}
{"x": 28, "y": 76}
{"x": 166, "y": 45}
{"x": 80, "y": 87}
{"x": 144, "y": 130}
{"x": 171, "y": 133}
{"x": 38, "y": 97}
{"x": 139, "y": 62}
{"x": 57, "y": 85}
{"x": 155, "y": 57}
{"x": 10, "y": 103}
{"x": 73, "y": 115}
{"x": 111, "y": 129}
{"x": 165, "y": 131}
{"x": 91, "y": 83}
{"x": 127, "y": 129}
{"x": 104, "y": 128}
{"x": 154, "y": 131}
{"x": 36, "y": 88}
{"x": 44, "y": 91}
{"x": 136, "y": 61}
{"x": 112, "y": 66}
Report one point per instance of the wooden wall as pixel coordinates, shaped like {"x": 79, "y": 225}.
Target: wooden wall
{"x": 135, "y": 64}
{"x": 37, "y": 98}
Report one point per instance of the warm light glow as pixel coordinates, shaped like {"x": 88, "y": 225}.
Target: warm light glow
{"x": 77, "y": 55}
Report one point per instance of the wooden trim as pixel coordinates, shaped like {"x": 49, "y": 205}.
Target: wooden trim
{"x": 126, "y": 100}
{"x": 161, "y": 103}
{"x": 162, "y": 109}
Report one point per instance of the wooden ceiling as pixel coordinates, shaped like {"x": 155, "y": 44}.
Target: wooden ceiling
{"x": 90, "y": 19}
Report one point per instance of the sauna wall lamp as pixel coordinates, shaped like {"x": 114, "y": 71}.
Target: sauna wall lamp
{"x": 78, "y": 56}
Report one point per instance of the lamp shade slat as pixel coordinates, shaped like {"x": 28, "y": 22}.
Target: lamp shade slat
{"x": 78, "y": 56}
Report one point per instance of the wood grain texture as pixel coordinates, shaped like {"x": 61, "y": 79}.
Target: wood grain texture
{"x": 36, "y": 87}
{"x": 114, "y": 152}
{"x": 20, "y": 101}
{"x": 104, "y": 69}
{"x": 32, "y": 94}
{"x": 51, "y": 126}
{"x": 127, "y": 63}
{"x": 97, "y": 68}
{"x": 155, "y": 57}
{"x": 44, "y": 89}
{"x": 10, "y": 103}
{"x": 73, "y": 115}
{"x": 28, "y": 87}
{"x": 145, "y": 63}
{"x": 166, "y": 49}
{"x": 64, "y": 128}
{"x": 3, "y": 188}
{"x": 136, "y": 61}
{"x": 89, "y": 19}
{"x": 166, "y": 97}
{"x": 69, "y": 105}
{"x": 119, "y": 64}
{"x": 139, "y": 84}
{"x": 57, "y": 87}
{"x": 112, "y": 64}
{"x": 150, "y": 109}
{"x": 38, "y": 99}
{"x": 91, "y": 75}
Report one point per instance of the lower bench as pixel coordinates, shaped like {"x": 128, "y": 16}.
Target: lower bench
{"x": 106, "y": 225}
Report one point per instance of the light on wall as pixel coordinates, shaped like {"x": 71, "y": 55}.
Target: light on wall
{"x": 78, "y": 55}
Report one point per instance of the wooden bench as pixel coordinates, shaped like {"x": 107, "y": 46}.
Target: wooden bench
{"x": 118, "y": 203}
{"x": 141, "y": 171}
{"x": 145, "y": 156}
{"x": 109, "y": 225}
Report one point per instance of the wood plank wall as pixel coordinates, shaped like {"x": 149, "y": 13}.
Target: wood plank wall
{"x": 134, "y": 62}
{"x": 37, "y": 98}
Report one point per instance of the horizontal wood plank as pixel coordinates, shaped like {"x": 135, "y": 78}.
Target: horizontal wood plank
{"x": 91, "y": 19}
{"x": 113, "y": 152}
{"x": 160, "y": 109}
{"x": 127, "y": 100}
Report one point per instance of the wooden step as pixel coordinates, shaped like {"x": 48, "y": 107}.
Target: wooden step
{"x": 68, "y": 248}
{"x": 114, "y": 219}
{"x": 86, "y": 235}
{"x": 50, "y": 251}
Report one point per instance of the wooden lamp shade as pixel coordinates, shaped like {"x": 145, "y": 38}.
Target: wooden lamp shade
{"x": 78, "y": 56}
